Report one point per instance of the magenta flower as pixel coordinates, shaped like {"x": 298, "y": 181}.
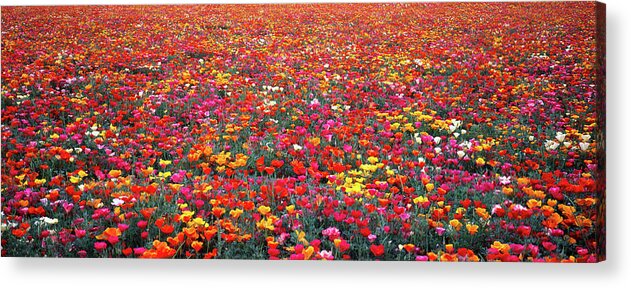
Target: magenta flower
{"x": 100, "y": 246}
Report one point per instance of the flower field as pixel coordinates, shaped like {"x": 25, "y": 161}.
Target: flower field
{"x": 416, "y": 131}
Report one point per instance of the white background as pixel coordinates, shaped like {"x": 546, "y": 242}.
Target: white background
{"x": 21, "y": 272}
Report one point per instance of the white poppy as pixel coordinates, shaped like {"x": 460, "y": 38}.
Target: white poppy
{"x": 560, "y": 136}
{"x": 117, "y": 202}
{"x": 584, "y": 146}
{"x": 551, "y": 145}
{"x": 49, "y": 221}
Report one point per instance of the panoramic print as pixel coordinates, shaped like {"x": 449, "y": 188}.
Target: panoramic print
{"x": 373, "y": 132}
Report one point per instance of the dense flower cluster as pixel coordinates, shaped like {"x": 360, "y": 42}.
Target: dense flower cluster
{"x": 430, "y": 132}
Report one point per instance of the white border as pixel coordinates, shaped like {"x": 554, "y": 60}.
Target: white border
{"x": 21, "y": 272}
{"x": 129, "y": 2}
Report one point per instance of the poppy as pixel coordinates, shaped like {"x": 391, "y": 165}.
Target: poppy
{"x": 377, "y": 250}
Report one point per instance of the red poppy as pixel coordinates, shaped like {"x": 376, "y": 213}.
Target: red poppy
{"x": 377, "y": 250}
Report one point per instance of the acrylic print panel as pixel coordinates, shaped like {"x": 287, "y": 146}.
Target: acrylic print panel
{"x": 415, "y": 131}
